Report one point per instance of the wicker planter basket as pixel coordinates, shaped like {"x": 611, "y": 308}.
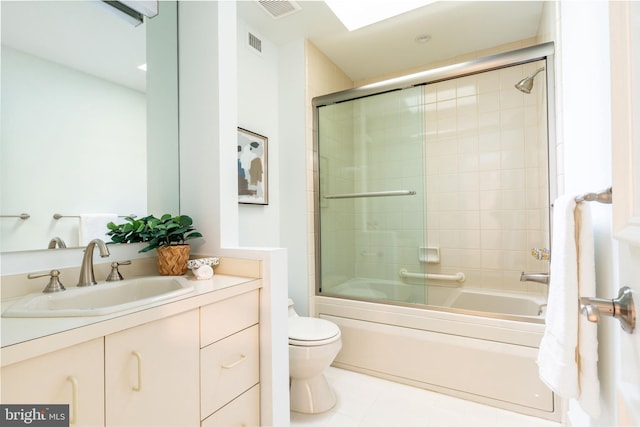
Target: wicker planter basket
{"x": 172, "y": 260}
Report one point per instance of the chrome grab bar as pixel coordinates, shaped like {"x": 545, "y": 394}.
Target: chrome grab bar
{"x": 604, "y": 196}
{"x": 458, "y": 277}
{"x": 621, "y": 308}
{"x": 371, "y": 194}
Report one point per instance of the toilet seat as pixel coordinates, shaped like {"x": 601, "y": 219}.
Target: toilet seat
{"x": 311, "y": 331}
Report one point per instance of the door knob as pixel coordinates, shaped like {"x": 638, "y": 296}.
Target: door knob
{"x": 621, "y": 308}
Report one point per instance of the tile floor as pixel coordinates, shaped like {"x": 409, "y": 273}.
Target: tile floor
{"x": 365, "y": 401}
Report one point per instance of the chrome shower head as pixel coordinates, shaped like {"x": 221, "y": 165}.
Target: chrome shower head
{"x": 525, "y": 85}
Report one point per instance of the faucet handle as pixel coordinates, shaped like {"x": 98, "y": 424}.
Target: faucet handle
{"x": 541, "y": 254}
{"x": 54, "y": 284}
{"x": 115, "y": 274}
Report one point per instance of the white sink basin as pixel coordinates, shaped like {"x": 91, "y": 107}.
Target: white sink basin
{"x": 97, "y": 300}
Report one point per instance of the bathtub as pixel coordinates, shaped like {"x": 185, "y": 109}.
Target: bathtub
{"x": 478, "y": 345}
{"x": 513, "y": 305}
{"x": 530, "y": 308}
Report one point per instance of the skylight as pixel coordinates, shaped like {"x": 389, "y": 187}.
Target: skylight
{"x": 356, "y": 14}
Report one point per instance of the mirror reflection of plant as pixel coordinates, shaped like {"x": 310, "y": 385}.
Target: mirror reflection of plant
{"x": 167, "y": 230}
{"x": 132, "y": 231}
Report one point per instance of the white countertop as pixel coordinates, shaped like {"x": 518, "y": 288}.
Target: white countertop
{"x": 22, "y": 338}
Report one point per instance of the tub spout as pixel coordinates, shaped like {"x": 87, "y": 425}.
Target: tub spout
{"x": 535, "y": 277}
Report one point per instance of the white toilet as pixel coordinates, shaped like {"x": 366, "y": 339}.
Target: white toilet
{"x": 313, "y": 344}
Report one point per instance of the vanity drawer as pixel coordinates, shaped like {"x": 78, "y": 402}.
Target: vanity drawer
{"x": 228, "y": 368}
{"x": 227, "y": 317}
{"x": 242, "y": 411}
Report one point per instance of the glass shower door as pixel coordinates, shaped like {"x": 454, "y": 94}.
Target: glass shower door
{"x": 372, "y": 220}
{"x": 437, "y": 194}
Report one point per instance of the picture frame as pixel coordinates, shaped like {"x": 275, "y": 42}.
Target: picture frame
{"x": 253, "y": 166}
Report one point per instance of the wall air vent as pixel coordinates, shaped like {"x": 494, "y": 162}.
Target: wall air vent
{"x": 254, "y": 43}
{"x": 279, "y": 8}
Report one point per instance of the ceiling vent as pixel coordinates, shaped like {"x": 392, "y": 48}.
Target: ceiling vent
{"x": 279, "y": 8}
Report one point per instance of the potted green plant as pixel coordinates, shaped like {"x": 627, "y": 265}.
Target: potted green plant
{"x": 168, "y": 234}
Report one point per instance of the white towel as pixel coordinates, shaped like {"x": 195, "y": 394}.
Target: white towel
{"x": 587, "y": 331}
{"x": 557, "y": 363}
{"x": 567, "y": 358}
{"x": 94, "y": 226}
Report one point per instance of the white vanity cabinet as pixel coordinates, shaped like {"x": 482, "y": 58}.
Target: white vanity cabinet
{"x": 229, "y": 362}
{"x": 191, "y": 362}
{"x": 73, "y": 376}
{"x": 152, "y": 375}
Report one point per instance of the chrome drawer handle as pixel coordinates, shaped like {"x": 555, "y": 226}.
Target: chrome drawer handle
{"x": 236, "y": 363}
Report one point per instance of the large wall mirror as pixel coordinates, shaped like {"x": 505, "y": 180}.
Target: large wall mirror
{"x": 84, "y": 129}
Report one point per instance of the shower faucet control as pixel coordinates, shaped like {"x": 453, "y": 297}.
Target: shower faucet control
{"x": 541, "y": 254}
{"x": 535, "y": 277}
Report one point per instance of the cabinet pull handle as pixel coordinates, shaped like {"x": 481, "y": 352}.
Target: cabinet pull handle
{"x": 237, "y": 362}
{"x": 138, "y": 357}
{"x": 74, "y": 400}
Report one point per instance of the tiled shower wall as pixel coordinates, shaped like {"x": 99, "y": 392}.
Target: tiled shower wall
{"x": 481, "y": 155}
{"x": 487, "y": 177}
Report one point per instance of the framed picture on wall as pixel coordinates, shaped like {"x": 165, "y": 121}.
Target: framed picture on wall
{"x": 253, "y": 183}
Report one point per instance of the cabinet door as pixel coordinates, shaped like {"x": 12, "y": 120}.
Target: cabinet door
{"x": 151, "y": 374}
{"x": 73, "y": 376}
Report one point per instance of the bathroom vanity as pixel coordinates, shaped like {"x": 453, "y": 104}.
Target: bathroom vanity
{"x": 188, "y": 360}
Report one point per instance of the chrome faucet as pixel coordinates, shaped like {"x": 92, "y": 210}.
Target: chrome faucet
{"x": 535, "y": 277}
{"x": 56, "y": 242}
{"x": 86, "y": 269}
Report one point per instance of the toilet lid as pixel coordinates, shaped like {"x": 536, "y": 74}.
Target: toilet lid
{"x": 311, "y": 329}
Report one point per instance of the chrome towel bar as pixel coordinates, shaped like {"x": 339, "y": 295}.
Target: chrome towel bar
{"x": 21, "y": 216}
{"x": 371, "y": 194}
{"x": 605, "y": 196}
{"x": 458, "y": 277}
{"x": 57, "y": 216}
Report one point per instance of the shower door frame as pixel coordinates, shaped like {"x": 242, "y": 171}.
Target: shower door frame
{"x": 525, "y": 55}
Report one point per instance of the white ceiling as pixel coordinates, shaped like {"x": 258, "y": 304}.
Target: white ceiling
{"x": 57, "y": 30}
{"x": 455, "y": 27}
